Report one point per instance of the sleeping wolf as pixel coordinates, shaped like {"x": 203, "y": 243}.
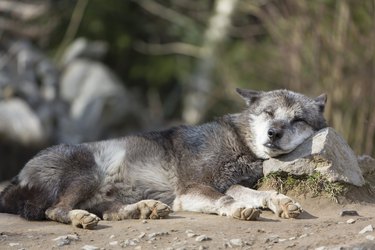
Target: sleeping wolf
{"x": 189, "y": 168}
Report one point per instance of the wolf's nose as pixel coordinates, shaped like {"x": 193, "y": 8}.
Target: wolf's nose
{"x": 274, "y": 133}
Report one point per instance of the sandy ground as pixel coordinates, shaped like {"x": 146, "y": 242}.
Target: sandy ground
{"x": 319, "y": 226}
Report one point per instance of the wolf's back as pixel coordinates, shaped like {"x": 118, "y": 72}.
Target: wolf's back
{"x": 24, "y": 201}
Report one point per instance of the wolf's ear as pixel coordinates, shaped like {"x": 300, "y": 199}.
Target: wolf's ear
{"x": 321, "y": 101}
{"x": 248, "y": 95}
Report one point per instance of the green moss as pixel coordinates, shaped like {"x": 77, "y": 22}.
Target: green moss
{"x": 315, "y": 184}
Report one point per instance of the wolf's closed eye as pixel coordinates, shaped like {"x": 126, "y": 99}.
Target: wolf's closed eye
{"x": 297, "y": 119}
{"x": 269, "y": 112}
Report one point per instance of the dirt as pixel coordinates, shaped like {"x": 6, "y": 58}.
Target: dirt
{"x": 320, "y": 225}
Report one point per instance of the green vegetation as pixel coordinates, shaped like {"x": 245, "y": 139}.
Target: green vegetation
{"x": 314, "y": 185}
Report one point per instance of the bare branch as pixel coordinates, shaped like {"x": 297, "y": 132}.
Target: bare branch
{"x": 169, "y": 48}
{"x": 165, "y": 13}
{"x": 74, "y": 24}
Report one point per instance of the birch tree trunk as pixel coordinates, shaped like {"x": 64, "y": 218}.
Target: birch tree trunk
{"x": 200, "y": 84}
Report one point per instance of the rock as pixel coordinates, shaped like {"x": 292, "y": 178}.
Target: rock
{"x": 98, "y": 101}
{"x": 370, "y": 237}
{"x": 14, "y": 244}
{"x": 66, "y": 239}
{"x": 350, "y": 221}
{"x": 327, "y": 153}
{"x": 366, "y": 229}
{"x": 191, "y": 235}
{"x": 366, "y": 164}
{"x": 82, "y": 48}
{"x": 237, "y": 242}
{"x": 349, "y": 213}
{"x": 202, "y": 238}
{"x": 90, "y": 247}
{"x": 113, "y": 243}
{"x": 153, "y": 235}
{"x": 130, "y": 242}
{"x": 19, "y": 123}
{"x": 141, "y": 235}
{"x": 272, "y": 239}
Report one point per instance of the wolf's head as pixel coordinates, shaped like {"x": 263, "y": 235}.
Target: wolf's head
{"x": 281, "y": 120}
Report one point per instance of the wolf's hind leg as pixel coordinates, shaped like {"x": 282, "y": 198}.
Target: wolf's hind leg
{"x": 205, "y": 199}
{"x": 64, "y": 210}
{"x": 280, "y": 204}
{"x": 145, "y": 209}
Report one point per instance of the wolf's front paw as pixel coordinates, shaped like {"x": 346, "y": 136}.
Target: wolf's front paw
{"x": 244, "y": 213}
{"x": 284, "y": 206}
{"x": 83, "y": 219}
{"x": 152, "y": 209}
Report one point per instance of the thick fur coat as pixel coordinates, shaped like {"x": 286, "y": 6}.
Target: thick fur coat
{"x": 191, "y": 168}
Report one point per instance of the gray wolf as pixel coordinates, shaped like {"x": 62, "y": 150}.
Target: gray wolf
{"x": 207, "y": 168}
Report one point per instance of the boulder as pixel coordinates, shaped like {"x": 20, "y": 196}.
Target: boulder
{"x": 19, "y": 123}
{"x": 325, "y": 152}
{"x": 98, "y": 100}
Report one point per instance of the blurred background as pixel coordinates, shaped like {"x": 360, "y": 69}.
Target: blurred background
{"x": 73, "y": 71}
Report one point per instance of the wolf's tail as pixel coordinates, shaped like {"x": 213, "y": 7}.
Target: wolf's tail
{"x": 27, "y": 202}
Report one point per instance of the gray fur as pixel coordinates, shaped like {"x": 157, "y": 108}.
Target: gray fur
{"x": 204, "y": 160}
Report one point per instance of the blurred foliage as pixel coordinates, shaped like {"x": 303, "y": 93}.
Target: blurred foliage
{"x": 306, "y": 46}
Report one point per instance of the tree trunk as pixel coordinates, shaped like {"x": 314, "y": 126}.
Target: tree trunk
{"x": 200, "y": 83}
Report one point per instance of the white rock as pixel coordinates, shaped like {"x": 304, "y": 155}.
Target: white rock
{"x": 350, "y": 221}
{"x": 202, "y": 238}
{"x": 141, "y": 235}
{"x": 98, "y": 100}
{"x": 13, "y": 244}
{"x": 191, "y": 235}
{"x": 366, "y": 229}
{"x": 237, "y": 242}
{"x": 327, "y": 153}
{"x": 113, "y": 243}
{"x": 19, "y": 123}
{"x": 90, "y": 247}
{"x": 370, "y": 237}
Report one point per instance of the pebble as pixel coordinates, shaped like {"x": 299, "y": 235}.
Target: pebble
{"x": 112, "y": 236}
{"x": 153, "y": 235}
{"x": 370, "y": 237}
{"x": 191, "y": 235}
{"x": 13, "y": 244}
{"x": 189, "y": 231}
{"x": 129, "y": 242}
{"x": 273, "y": 239}
{"x": 144, "y": 221}
{"x": 65, "y": 239}
{"x": 142, "y": 235}
{"x": 350, "y": 221}
{"x": 89, "y": 247}
{"x": 202, "y": 238}
{"x": 237, "y": 242}
{"x": 113, "y": 243}
{"x": 303, "y": 236}
{"x": 366, "y": 229}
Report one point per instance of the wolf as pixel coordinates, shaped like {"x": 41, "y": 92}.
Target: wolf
{"x": 208, "y": 168}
